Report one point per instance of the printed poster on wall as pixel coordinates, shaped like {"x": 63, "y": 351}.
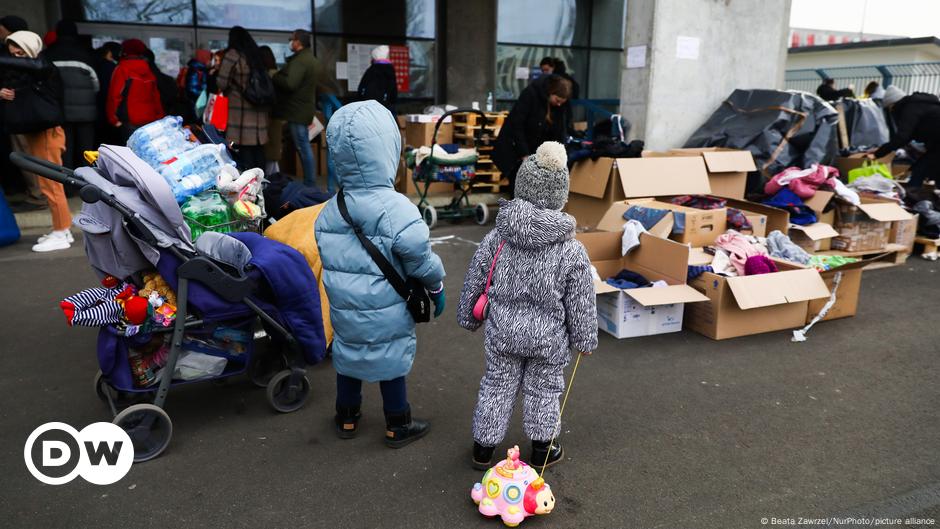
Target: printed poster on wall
{"x": 401, "y": 60}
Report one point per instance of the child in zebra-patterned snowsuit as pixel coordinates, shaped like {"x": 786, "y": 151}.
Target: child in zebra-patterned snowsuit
{"x": 542, "y": 306}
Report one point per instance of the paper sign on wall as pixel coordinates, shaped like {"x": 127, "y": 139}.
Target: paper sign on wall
{"x": 636, "y": 57}
{"x": 522, "y": 73}
{"x": 358, "y": 59}
{"x": 687, "y": 48}
{"x": 341, "y": 71}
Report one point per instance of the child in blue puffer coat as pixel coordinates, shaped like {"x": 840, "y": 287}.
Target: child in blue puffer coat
{"x": 374, "y": 334}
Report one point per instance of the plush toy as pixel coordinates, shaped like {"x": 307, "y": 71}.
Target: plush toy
{"x": 512, "y": 490}
{"x": 153, "y": 282}
{"x": 136, "y": 310}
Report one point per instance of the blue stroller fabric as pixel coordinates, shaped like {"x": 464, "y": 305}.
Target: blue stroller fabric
{"x": 800, "y": 213}
{"x": 9, "y": 231}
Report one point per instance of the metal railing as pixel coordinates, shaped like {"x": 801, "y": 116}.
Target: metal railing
{"x": 912, "y": 77}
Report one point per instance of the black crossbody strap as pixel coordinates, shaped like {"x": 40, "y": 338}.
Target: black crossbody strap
{"x": 386, "y": 267}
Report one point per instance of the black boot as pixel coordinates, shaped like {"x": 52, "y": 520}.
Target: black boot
{"x": 482, "y": 456}
{"x": 540, "y": 451}
{"x": 347, "y": 421}
{"x": 401, "y": 429}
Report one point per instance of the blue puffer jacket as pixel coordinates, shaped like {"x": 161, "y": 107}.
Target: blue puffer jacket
{"x": 375, "y": 334}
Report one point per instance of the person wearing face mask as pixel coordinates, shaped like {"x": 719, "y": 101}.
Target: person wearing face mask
{"x": 31, "y": 100}
{"x": 296, "y": 86}
{"x": 540, "y": 115}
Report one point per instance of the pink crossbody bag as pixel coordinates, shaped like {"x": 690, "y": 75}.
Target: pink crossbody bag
{"x": 482, "y": 307}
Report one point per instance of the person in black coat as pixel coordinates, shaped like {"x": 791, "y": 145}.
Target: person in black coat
{"x": 108, "y": 55}
{"x": 378, "y": 81}
{"x": 166, "y": 85}
{"x": 540, "y": 115}
{"x": 75, "y": 61}
{"x": 827, "y": 91}
{"x": 917, "y": 118}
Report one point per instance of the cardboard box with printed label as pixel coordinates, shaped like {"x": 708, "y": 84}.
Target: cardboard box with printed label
{"x": 903, "y": 233}
{"x": 727, "y": 168}
{"x": 597, "y": 184}
{"x": 640, "y": 311}
{"x": 741, "y": 306}
{"x": 866, "y": 227}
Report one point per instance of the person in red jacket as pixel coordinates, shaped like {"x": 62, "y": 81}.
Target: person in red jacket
{"x": 133, "y": 97}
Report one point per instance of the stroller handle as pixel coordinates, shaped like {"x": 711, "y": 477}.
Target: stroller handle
{"x": 46, "y": 169}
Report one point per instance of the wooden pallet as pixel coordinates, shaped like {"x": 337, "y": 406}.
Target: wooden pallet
{"x": 894, "y": 259}
{"x": 486, "y": 187}
{"x": 473, "y": 119}
{"x": 930, "y": 247}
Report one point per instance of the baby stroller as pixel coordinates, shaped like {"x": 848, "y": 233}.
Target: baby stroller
{"x": 217, "y": 285}
{"x": 459, "y": 168}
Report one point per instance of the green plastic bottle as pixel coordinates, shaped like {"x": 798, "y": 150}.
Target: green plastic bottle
{"x": 207, "y": 211}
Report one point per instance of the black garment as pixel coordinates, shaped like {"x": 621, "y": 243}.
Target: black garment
{"x": 916, "y": 117}
{"x": 829, "y": 93}
{"x": 249, "y": 156}
{"x": 24, "y": 114}
{"x": 79, "y": 137}
{"x": 926, "y": 168}
{"x": 527, "y": 127}
{"x": 104, "y": 132}
{"x": 80, "y": 80}
{"x": 378, "y": 83}
{"x": 169, "y": 94}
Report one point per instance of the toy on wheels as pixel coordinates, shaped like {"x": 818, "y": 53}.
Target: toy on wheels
{"x": 459, "y": 169}
{"x": 513, "y": 491}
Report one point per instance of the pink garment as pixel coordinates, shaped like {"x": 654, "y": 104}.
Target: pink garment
{"x": 739, "y": 249}
{"x": 803, "y": 182}
{"x": 759, "y": 264}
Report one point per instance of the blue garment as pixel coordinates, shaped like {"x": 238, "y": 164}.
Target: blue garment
{"x": 648, "y": 217}
{"x": 799, "y": 213}
{"x": 295, "y": 291}
{"x": 394, "y": 393}
{"x": 628, "y": 279}
{"x": 374, "y": 332}
{"x": 695, "y": 271}
{"x": 298, "y": 133}
{"x": 296, "y": 195}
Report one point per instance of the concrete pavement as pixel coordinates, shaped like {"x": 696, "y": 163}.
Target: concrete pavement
{"x": 673, "y": 431}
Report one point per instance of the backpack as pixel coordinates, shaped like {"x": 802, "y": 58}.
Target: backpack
{"x": 260, "y": 89}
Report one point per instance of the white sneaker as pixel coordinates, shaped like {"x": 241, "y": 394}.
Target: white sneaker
{"x": 56, "y": 240}
{"x": 68, "y": 237}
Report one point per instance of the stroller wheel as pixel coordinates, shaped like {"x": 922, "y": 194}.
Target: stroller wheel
{"x": 286, "y": 397}
{"x": 149, "y": 428}
{"x": 430, "y": 216}
{"x": 482, "y": 214}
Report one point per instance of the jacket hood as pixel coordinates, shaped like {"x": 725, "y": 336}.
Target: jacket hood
{"x": 137, "y": 66}
{"x": 365, "y": 145}
{"x": 527, "y": 226}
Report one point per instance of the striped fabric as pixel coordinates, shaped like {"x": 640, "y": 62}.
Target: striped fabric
{"x": 94, "y": 307}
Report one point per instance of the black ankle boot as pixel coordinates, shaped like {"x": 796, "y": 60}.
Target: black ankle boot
{"x": 482, "y": 456}
{"x": 540, "y": 451}
{"x": 401, "y": 429}
{"x": 347, "y": 421}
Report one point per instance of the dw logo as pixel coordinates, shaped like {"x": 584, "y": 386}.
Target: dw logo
{"x": 55, "y": 453}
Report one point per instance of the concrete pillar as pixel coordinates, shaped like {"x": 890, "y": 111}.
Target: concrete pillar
{"x": 468, "y": 36}
{"x": 697, "y": 53}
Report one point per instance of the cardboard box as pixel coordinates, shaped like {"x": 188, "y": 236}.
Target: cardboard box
{"x": 758, "y": 223}
{"x": 846, "y": 305}
{"x": 813, "y": 237}
{"x": 421, "y": 134}
{"x": 640, "y": 311}
{"x": 406, "y": 186}
{"x": 741, "y": 306}
{"x": 597, "y": 184}
{"x": 903, "y": 233}
{"x": 846, "y": 163}
{"x": 727, "y": 169}
{"x": 866, "y": 227}
{"x": 701, "y": 226}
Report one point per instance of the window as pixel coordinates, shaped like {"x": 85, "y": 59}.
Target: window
{"x": 282, "y": 15}
{"x": 147, "y": 11}
{"x": 393, "y": 18}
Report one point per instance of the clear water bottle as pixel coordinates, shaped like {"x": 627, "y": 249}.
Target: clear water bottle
{"x": 160, "y": 140}
{"x": 489, "y": 101}
{"x": 194, "y": 171}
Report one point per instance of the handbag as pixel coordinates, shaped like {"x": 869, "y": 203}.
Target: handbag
{"x": 411, "y": 290}
{"x": 870, "y": 168}
{"x": 35, "y": 109}
{"x": 216, "y": 111}
{"x": 481, "y": 309}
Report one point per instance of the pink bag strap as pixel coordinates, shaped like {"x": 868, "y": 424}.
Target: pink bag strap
{"x": 489, "y": 276}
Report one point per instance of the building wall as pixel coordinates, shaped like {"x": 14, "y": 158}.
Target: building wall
{"x": 742, "y": 44}
{"x": 41, "y": 15}
{"x": 863, "y": 57}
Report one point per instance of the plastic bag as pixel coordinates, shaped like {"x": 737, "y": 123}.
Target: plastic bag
{"x": 192, "y": 365}
{"x": 870, "y": 168}
{"x": 207, "y": 212}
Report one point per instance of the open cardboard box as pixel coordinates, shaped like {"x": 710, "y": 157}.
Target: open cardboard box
{"x": 814, "y": 237}
{"x": 640, "y": 311}
{"x": 741, "y": 306}
{"x": 866, "y": 227}
{"x": 850, "y": 283}
{"x": 727, "y": 168}
{"x": 853, "y": 161}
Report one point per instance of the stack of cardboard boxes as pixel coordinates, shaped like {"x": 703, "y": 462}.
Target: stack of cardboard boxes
{"x": 711, "y": 304}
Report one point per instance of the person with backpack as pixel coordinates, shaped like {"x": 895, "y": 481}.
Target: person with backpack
{"x": 244, "y": 80}
{"x": 378, "y": 82}
{"x": 75, "y": 62}
{"x": 297, "y": 98}
{"x": 191, "y": 82}
{"x": 133, "y": 96}
{"x": 371, "y": 240}
{"x": 31, "y": 99}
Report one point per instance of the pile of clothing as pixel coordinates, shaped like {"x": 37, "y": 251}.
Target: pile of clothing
{"x": 790, "y": 188}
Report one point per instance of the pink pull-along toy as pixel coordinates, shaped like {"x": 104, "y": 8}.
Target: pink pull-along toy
{"x": 512, "y": 490}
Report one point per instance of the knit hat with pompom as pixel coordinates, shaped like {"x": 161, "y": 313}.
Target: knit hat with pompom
{"x": 543, "y": 178}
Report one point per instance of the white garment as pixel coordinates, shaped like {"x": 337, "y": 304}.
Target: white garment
{"x": 631, "y": 236}
{"x": 721, "y": 263}
{"x": 848, "y": 194}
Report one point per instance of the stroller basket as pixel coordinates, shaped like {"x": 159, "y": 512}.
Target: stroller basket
{"x": 216, "y": 292}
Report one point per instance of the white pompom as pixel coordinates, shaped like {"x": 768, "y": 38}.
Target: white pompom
{"x": 552, "y": 155}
